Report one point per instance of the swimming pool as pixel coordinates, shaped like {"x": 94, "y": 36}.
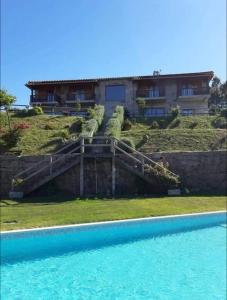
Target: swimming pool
{"x": 181, "y": 257}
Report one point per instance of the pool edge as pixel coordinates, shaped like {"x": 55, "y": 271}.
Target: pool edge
{"x": 81, "y": 225}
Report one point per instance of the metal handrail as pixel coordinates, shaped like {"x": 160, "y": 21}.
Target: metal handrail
{"x": 144, "y": 156}
{"x": 115, "y": 143}
{"x": 46, "y": 167}
{"x": 39, "y": 163}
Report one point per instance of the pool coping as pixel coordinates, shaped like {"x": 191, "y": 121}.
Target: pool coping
{"x": 81, "y": 225}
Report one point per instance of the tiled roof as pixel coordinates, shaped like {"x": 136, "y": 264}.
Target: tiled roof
{"x": 208, "y": 74}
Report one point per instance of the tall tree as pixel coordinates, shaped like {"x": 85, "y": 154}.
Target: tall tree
{"x": 215, "y": 91}
{"x": 6, "y": 100}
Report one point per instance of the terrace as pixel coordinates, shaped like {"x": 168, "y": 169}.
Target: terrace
{"x": 152, "y": 93}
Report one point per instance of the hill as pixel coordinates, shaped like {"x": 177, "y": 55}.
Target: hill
{"x": 45, "y": 134}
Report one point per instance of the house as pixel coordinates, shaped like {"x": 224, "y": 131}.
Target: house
{"x": 161, "y": 93}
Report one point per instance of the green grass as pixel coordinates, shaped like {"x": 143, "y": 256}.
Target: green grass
{"x": 44, "y": 134}
{"x": 42, "y": 212}
{"x": 178, "y": 139}
{"x": 195, "y": 133}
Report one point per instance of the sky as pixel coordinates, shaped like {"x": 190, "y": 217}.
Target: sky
{"x": 71, "y": 39}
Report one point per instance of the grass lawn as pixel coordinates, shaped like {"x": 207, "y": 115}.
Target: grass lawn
{"x": 42, "y": 212}
{"x": 44, "y": 134}
{"x": 178, "y": 139}
{"x": 194, "y": 133}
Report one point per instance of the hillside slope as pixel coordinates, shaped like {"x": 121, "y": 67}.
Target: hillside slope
{"x": 194, "y": 133}
{"x": 45, "y": 134}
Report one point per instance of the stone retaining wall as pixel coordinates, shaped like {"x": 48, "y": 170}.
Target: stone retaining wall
{"x": 200, "y": 172}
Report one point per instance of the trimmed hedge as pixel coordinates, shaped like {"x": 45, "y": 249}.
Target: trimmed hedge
{"x": 115, "y": 123}
{"x": 91, "y": 126}
{"x": 161, "y": 175}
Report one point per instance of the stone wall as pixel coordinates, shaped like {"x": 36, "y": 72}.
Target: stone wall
{"x": 200, "y": 172}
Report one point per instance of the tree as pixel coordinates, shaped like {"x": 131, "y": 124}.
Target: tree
{"x": 218, "y": 91}
{"x": 6, "y": 100}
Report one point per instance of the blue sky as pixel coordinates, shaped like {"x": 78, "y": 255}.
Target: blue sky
{"x": 67, "y": 39}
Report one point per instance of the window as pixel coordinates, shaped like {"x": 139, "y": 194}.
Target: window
{"x": 50, "y": 97}
{"x": 153, "y": 92}
{"x": 115, "y": 93}
{"x": 79, "y": 95}
{"x": 156, "y": 111}
{"x": 187, "y": 111}
{"x": 187, "y": 90}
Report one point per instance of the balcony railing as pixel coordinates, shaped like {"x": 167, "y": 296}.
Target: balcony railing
{"x": 193, "y": 91}
{"x": 71, "y": 98}
{"x": 81, "y": 97}
{"x": 47, "y": 99}
{"x": 150, "y": 93}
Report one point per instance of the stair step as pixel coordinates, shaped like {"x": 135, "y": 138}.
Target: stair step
{"x": 49, "y": 177}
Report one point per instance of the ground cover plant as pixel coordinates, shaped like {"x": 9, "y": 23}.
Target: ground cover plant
{"x": 192, "y": 133}
{"x": 61, "y": 210}
{"x": 45, "y": 134}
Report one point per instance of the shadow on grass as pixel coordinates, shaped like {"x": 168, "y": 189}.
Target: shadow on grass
{"x": 62, "y": 197}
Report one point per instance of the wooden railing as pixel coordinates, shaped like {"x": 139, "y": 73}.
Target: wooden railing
{"x": 81, "y": 97}
{"x": 193, "y": 91}
{"x": 150, "y": 93}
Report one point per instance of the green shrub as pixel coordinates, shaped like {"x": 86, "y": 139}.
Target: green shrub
{"x": 12, "y": 137}
{"x": 193, "y": 125}
{"x": 49, "y": 127}
{"x": 154, "y": 125}
{"x": 224, "y": 113}
{"x": 37, "y": 110}
{"x": 90, "y": 127}
{"x": 99, "y": 109}
{"x": 145, "y": 138}
{"x": 175, "y": 123}
{"x": 113, "y": 128}
{"x": 97, "y": 113}
{"x": 127, "y": 125}
{"x": 161, "y": 175}
{"x": 76, "y": 126}
{"x": 77, "y": 106}
{"x": 120, "y": 113}
{"x": 220, "y": 122}
{"x": 21, "y": 113}
{"x": 115, "y": 123}
{"x": 175, "y": 111}
{"x": 214, "y": 110}
{"x": 126, "y": 113}
{"x": 2, "y": 145}
{"x": 141, "y": 104}
{"x": 64, "y": 134}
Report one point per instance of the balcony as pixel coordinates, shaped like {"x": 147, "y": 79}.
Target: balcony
{"x": 188, "y": 92}
{"x": 151, "y": 94}
{"x": 87, "y": 97}
{"x": 53, "y": 99}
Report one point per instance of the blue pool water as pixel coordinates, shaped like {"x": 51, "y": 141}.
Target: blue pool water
{"x": 174, "y": 258}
